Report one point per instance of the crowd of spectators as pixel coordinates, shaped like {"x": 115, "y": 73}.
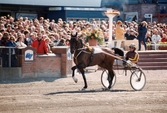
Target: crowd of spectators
{"x": 43, "y": 34}
{"x": 24, "y": 31}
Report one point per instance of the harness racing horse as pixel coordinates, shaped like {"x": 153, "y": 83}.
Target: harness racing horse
{"x": 84, "y": 57}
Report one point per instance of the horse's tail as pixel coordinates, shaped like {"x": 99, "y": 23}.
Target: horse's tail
{"x": 118, "y": 51}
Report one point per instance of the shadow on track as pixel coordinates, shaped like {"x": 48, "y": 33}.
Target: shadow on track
{"x": 88, "y": 91}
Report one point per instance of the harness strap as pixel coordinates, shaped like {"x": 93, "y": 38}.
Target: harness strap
{"x": 82, "y": 50}
{"x": 77, "y": 57}
{"x": 91, "y": 56}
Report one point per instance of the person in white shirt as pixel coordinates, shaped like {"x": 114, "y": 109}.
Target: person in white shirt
{"x": 20, "y": 43}
{"x": 156, "y": 38}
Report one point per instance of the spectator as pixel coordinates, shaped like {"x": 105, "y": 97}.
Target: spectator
{"x": 134, "y": 18}
{"x": 148, "y": 37}
{"x": 40, "y": 45}
{"x": 165, "y": 28}
{"x": 1, "y": 26}
{"x": 2, "y": 31}
{"x": 33, "y": 37}
{"x": 57, "y": 38}
{"x": 12, "y": 32}
{"x": 20, "y": 42}
{"x": 47, "y": 40}
{"x": 11, "y": 19}
{"x": 163, "y": 10}
{"x": 4, "y": 55}
{"x": 12, "y": 43}
{"x": 120, "y": 31}
{"x": 0, "y": 39}
{"x": 9, "y": 28}
{"x": 27, "y": 39}
{"x": 5, "y": 38}
{"x": 52, "y": 40}
{"x": 67, "y": 42}
{"x": 164, "y": 38}
{"x": 142, "y": 30}
{"x": 106, "y": 35}
{"x": 61, "y": 43}
{"x": 41, "y": 21}
{"x": 1, "y": 44}
{"x": 130, "y": 35}
{"x": 155, "y": 39}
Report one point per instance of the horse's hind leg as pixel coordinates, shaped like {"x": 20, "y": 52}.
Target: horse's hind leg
{"x": 84, "y": 78}
{"x": 73, "y": 74}
{"x": 110, "y": 79}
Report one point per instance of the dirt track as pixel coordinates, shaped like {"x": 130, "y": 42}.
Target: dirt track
{"x": 62, "y": 95}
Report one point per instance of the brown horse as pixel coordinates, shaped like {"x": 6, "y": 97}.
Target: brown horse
{"x": 84, "y": 57}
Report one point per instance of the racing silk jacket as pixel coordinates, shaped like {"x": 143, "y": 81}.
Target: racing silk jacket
{"x": 132, "y": 56}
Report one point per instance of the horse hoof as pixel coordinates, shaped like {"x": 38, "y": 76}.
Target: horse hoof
{"x": 105, "y": 89}
{"x": 75, "y": 79}
{"x": 83, "y": 89}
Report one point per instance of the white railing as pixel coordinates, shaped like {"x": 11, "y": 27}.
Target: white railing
{"x": 155, "y": 46}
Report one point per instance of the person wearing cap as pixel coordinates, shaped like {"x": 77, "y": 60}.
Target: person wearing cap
{"x": 132, "y": 55}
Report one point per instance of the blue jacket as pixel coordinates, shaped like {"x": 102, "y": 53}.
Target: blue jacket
{"x": 10, "y": 44}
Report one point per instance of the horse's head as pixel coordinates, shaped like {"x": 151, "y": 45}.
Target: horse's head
{"x": 75, "y": 43}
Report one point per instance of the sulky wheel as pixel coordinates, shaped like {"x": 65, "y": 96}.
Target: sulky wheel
{"x": 138, "y": 80}
{"x": 105, "y": 79}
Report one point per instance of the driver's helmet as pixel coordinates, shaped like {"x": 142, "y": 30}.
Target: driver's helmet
{"x": 132, "y": 45}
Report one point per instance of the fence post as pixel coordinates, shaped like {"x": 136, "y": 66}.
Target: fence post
{"x": 9, "y": 57}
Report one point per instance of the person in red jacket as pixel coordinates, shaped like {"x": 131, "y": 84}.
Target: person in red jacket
{"x": 40, "y": 45}
{"x": 164, "y": 38}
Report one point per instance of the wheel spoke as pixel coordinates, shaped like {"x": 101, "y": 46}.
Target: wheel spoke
{"x": 138, "y": 80}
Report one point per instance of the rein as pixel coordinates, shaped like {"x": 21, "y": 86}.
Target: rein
{"x": 80, "y": 51}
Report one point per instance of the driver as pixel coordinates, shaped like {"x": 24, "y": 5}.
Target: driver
{"x": 132, "y": 56}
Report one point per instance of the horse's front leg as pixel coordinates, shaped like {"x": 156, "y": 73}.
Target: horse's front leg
{"x": 73, "y": 74}
{"x": 84, "y": 78}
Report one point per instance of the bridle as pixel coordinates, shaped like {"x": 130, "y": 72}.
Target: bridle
{"x": 79, "y": 45}
{"x": 79, "y": 48}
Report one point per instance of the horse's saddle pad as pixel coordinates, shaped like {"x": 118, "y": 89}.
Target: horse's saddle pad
{"x": 97, "y": 50}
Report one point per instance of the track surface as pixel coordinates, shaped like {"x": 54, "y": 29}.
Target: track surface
{"x": 62, "y": 95}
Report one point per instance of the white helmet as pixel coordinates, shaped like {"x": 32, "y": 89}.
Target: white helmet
{"x": 132, "y": 45}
